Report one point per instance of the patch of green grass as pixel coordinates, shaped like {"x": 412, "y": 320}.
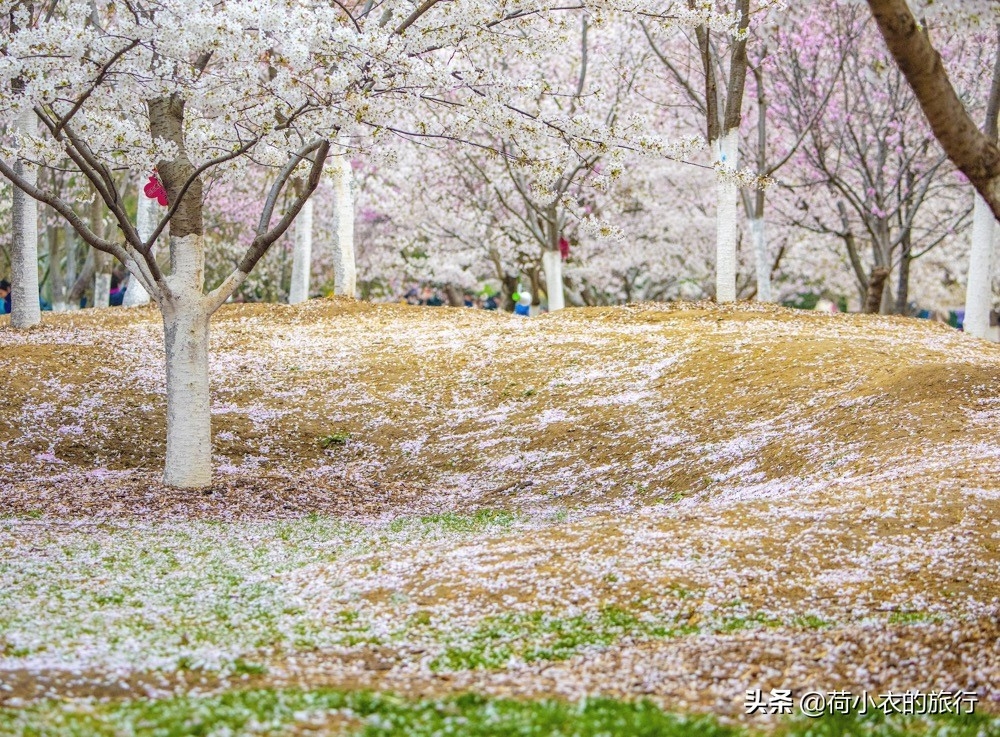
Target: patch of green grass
{"x": 453, "y": 522}
{"x": 241, "y": 667}
{"x": 337, "y": 438}
{"x": 540, "y": 636}
{"x": 535, "y": 636}
{"x": 29, "y": 514}
{"x": 914, "y": 617}
{"x": 811, "y": 622}
{"x": 383, "y": 715}
{"x": 750, "y": 621}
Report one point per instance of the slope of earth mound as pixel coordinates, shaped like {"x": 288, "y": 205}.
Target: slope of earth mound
{"x": 682, "y": 503}
{"x": 609, "y": 406}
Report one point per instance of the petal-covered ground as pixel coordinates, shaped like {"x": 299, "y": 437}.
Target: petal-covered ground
{"x": 679, "y": 503}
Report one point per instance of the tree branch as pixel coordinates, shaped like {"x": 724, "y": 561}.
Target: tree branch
{"x": 969, "y": 148}
{"x": 265, "y": 238}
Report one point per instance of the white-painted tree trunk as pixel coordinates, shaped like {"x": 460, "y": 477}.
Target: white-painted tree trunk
{"x": 25, "y": 309}
{"x": 762, "y": 260}
{"x": 186, "y": 316}
{"x": 70, "y": 247}
{"x": 302, "y": 255}
{"x": 344, "y": 267}
{"x": 979, "y": 286}
{"x": 145, "y": 223}
{"x": 102, "y": 290}
{"x": 726, "y": 153}
{"x": 552, "y": 266}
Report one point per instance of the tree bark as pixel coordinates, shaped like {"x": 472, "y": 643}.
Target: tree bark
{"x": 102, "y": 261}
{"x": 189, "y": 419}
{"x": 723, "y": 136}
{"x": 876, "y": 286}
{"x": 758, "y": 231}
{"x": 70, "y": 247}
{"x": 302, "y": 255}
{"x": 186, "y": 312}
{"x": 979, "y": 285}
{"x": 903, "y": 287}
{"x": 454, "y": 295}
{"x": 82, "y": 282}
{"x": 762, "y": 260}
{"x": 552, "y": 266}
{"x": 344, "y": 266}
{"x": 25, "y": 308}
{"x": 969, "y": 148}
{"x": 102, "y": 288}
{"x": 727, "y": 156}
{"x": 57, "y": 282}
{"x": 508, "y": 285}
{"x": 145, "y": 224}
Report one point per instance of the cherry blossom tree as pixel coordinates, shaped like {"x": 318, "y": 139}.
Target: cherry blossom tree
{"x": 199, "y": 91}
{"x": 720, "y": 101}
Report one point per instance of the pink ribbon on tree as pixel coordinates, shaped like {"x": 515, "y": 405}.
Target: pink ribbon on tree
{"x": 155, "y": 191}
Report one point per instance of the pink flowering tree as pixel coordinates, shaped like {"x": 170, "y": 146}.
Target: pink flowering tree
{"x": 866, "y": 171}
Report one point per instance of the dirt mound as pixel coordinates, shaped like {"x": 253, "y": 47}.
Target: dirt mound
{"x": 644, "y": 403}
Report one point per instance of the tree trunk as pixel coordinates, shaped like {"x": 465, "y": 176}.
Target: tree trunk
{"x": 887, "y": 304}
{"x": 102, "y": 261}
{"x": 454, "y": 295}
{"x": 25, "y": 309}
{"x": 758, "y": 233}
{"x": 726, "y": 156}
{"x": 508, "y": 285}
{"x": 302, "y": 255}
{"x": 876, "y": 286}
{"x": 535, "y": 278}
{"x": 189, "y": 418}
{"x": 71, "y": 247}
{"x": 102, "y": 289}
{"x": 145, "y": 223}
{"x": 552, "y": 265}
{"x": 57, "y": 282}
{"x": 979, "y": 286}
{"x": 82, "y": 282}
{"x": 185, "y": 311}
{"x": 903, "y": 287}
{"x": 763, "y": 262}
{"x": 344, "y": 267}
